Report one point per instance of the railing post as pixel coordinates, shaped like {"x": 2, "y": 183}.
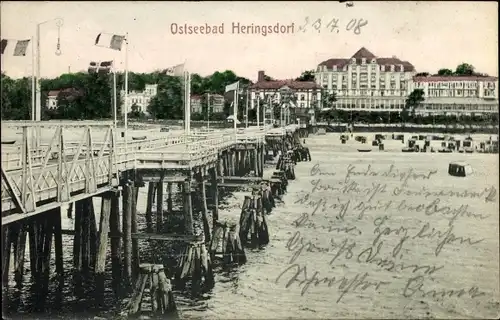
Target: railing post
{"x": 24, "y": 166}
{"x": 60, "y": 175}
{"x": 111, "y": 154}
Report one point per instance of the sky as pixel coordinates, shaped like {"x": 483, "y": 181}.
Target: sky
{"x": 431, "y": 35}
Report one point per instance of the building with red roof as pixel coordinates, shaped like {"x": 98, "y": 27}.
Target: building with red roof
{"x": 307, "y": 95}
{"x": 366, "y": 82}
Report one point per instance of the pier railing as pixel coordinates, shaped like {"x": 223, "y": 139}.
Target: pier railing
{"x": 90, "y": 162}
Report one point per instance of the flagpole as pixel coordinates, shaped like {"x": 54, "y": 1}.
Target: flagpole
{"x": 33, "y": 83}
{"x": 208, "y": 112}
{"x": 126, "y": 90}
{"x": 258, "y": 113}
{"x": 114, "y": 94}
{"x": 235, "y": 108}
{"x": 189, "y": 103}
{"x": 246, "y": 109}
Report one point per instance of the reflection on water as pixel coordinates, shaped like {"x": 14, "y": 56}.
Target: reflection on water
{"x": 250, "y": 291}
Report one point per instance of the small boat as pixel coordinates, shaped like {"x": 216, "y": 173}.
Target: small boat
{"x": 164, "y": 130}
{"x": 408, "y": 149}
{"x": 468, "y": 150}
{"x": 459, "y": 169}
{"x": 364, "y": 150}
{"x": 139, "y": 138}
{"x": 8, "y": 141}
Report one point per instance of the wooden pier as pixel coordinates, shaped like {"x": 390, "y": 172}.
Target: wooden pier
{"x": 48, "y": 175}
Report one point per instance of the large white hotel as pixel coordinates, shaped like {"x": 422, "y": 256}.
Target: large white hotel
{"x": 369, "y": 83}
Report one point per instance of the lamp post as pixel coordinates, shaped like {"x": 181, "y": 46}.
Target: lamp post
{"x": 59, "y": 23}
{"x": 38, "y": 98}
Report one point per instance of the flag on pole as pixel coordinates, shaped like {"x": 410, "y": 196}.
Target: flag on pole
{"x": 110, "y": 41}
{"x": 3, "y": 45}
{"x": 20, "y": 48}
{"x": 175, "y": 71}
{"x": 232, "y": 87}
{"x": 103, "y": 67}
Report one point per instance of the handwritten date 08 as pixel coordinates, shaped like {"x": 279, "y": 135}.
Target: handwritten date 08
{"x": 333, "y": 25}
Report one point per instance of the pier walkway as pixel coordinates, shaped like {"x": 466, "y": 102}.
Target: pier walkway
{"x": 46, "y": 165}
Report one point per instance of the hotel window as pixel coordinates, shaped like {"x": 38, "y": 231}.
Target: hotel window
{"x": 353, "y": 60}
{"x": 392, "y": 68}
{"x": 401, "y": 68}
{"x": 374, "y": 61}
{"x": 335, "y": 68}
{"x": 363, "y": 61}
{"x": 382, "y": 68}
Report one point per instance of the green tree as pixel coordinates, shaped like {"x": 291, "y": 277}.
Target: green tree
{"x": 422, "y": 74}
{"x": 168, "y": 103}
{"x": 306, "y": 76}
{"x": 445, "y": 72}
{"x": 464, "y": 69}
{"x": 328, "y": 100}
{"x": 415, "y": 98}
{"x": 16, "y": 98}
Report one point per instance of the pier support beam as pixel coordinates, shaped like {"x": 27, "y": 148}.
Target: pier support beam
{"x": 150, "y": 201}
{"x": 170, "y": 198}
{"x": 159, "y": 205}
{"x": 58, "y": 244}
{"x": 135, "y": 242}
{"x": 116, "y": 258}
{"x": 127, "y": 234}
{"x": 215, "y": 196}
{"x": 102, "y": 246}
{"x": 188, "y": 211}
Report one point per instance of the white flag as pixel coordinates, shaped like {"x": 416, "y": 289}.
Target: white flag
{"x": 232, "y": 87}
{"x": 175, "y": 71}
{"x": 110, "y": 41}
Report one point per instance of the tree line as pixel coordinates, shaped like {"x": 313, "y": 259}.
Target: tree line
{"x": 90, "y": 95}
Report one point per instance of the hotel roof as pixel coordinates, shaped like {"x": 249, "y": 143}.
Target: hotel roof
{"x": 364, "y": 53}
{"x": 453, "y": 78}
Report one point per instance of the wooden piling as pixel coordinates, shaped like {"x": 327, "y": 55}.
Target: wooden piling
{"x": 215, "y": 196}
{"x": 226, "y": 237}
{"x": 135, "y": 243}
{"x": 150, "y": 201}
{"x": 127, "y": 234}
{"x": 159, "y": 205}
{"x": 262, "y": 159}
{"x": 238, "y": 160}
{"x": 114, "y": 225}
{"x": 19, "y": 251}
{"x": 101, "y": 248}
{"x": 58, "y": 244}
{"x": 188, "y": 210}
{"x": 77, "y": 239}
{"x": 162, "y": 299}
{"x": 103, "y": 234}
{"x": 70, "y": 211}
{"x": 170, "y": 197}
{"x": 47, "y": 246}
{"x": 6, "y": 251}
{"x": 196, "y": 265}
{"x": 256, "y": 161}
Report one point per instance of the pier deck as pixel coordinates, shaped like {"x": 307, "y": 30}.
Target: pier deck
{"x": 54, "y": 164}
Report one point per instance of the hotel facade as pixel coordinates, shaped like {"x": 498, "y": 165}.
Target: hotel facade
{"x": 457, "y": 95}
{"x": 366, "y": 82}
